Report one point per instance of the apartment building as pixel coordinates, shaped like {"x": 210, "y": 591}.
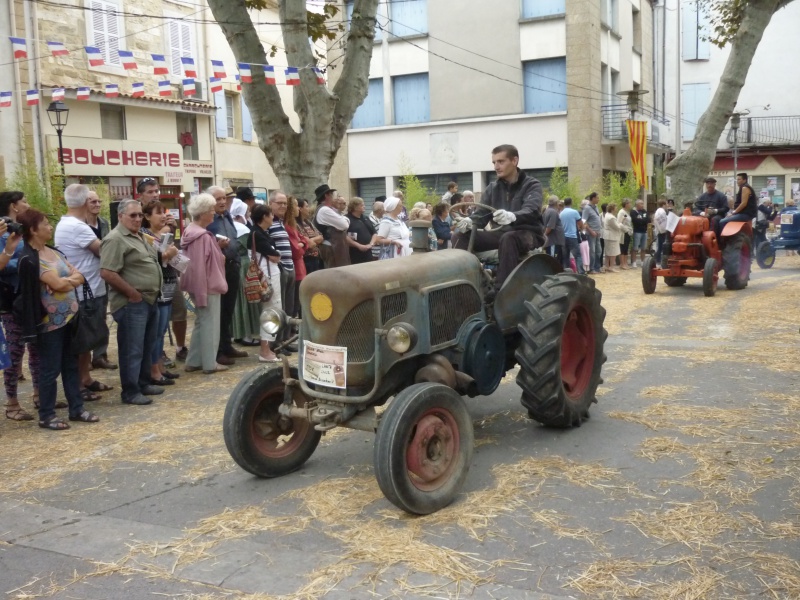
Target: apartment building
{"x": 447, "y": 85}
{"x": 767, "y": 142}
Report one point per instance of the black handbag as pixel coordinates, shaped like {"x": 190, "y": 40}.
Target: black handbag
{"x": 90, "y": 329}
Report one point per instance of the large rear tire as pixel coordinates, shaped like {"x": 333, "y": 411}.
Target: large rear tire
{"x": 423, "y": 448}
{"x": 736, "y": 261}
{"x": 710, "y": 277}
{"x": 765, "y": 255}
{"x": 259, "y": 439}
{"x": 649, "y": 279}
{"x": 561, "y": 351}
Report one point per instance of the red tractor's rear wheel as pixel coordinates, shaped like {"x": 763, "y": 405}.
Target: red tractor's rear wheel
{"x": 736, "y": 261}
{"x": 561, "y": 352}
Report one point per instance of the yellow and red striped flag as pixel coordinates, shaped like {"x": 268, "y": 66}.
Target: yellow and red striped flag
{"x": 637, "y": 140}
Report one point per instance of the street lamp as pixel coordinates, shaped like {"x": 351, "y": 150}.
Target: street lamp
{"x": 736, "y": 120}
{"x": 58, "y": 113}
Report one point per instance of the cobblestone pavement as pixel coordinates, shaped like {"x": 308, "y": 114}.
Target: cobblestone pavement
{"x": 685, "y": 483}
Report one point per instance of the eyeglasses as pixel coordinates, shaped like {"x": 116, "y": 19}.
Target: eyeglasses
{"x": 135, "y": 215}
{"x": 148, "y": 180}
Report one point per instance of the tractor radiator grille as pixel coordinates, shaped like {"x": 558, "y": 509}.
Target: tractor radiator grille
{"x": 357, "y": 332}
{"x": 393, "y": 306}
{"x": 449, "y": 308}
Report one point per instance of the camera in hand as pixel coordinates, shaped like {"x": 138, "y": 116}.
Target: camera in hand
{"x": 13, "y": 226}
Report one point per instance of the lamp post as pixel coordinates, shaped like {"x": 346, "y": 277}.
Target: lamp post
{"x": 736, "y": 119}
{"x": 58, "y": 113}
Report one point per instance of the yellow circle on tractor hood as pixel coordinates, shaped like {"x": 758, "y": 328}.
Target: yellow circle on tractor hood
{"x": 321, "y": 306}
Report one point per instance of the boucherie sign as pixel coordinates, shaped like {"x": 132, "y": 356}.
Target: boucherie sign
{"x": 121, "y": 158}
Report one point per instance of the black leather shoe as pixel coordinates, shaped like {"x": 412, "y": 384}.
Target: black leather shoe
{"x": 152, "y": 390}
{"x": 225, "y": 360}
{"x": 170, "y": 375}
{"x": 138, "y": 400}
{"x": 234, "y": 353}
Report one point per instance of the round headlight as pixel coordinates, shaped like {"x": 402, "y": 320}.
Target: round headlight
{"x": 321, "y": 306}
{"x": 271, "y": 321}
{"x": 401, "y": 338}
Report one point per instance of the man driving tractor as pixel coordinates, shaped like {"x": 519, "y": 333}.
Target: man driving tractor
{"x": 713, "y": 204}
{"x": 517, "y": 226}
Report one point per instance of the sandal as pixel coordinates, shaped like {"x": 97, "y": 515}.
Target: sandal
{"x": 17, "y": 413}
{"x": 85, "y": 417}
{"x": 97, "y": 386}
{"x": 88, "y": 396}
{"x": 54, "y": 424}
{"x": 163, "y": 381}
{"x": 59, "y": 403}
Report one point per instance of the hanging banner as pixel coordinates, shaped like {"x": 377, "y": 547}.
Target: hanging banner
{"x": 637, "y": 140}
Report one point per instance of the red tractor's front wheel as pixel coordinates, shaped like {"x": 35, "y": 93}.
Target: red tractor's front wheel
{"x": 649, "y": 278}
{"x": 561, "y": 352}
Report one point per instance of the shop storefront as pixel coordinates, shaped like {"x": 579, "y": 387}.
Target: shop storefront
{"x": 773, "y": 176}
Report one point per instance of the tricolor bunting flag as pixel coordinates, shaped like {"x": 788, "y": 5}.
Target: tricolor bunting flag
{"x": 95, "y": 56}
{"x": 137, "y": 89}
{"x": 320, "y": 76}
{"x": 188, "y": 66}
{"x": 637, "y": 140}
{"x": 83, "y": 93}
{"x": 33, "y": 97}
{"x": 57, "y": 94}
{"x": 215, "y": 85}
{"x": 5, "y": 99}
{"x": 269, "y": 75}
{"x": 188, "y": 87}
{"x": 238, "y": 83}
{"x": 127, "y": 60}
{"x": 244, "y": 73}
{"x": 19, "y": 46}
{"x": 159, "y": 65}
{"x": 292, "y": 76}
{"x": 57, "y": 49}
{"x": 164, "y": 88}
{"x": 218, "y": 67}
{"x": 112, "y": 90}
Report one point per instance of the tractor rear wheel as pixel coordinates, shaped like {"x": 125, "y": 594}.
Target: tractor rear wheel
{"x": 561, "y": 351}
{"x": 649, "y": 278}
{"x": 675, "y": 281}
{"x": 710, "y": 277}
{"x": 765, "y": 255}
{"x": 736, "y": 261}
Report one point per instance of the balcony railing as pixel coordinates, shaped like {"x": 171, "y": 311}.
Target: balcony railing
{"x": 615, "y": 115}
{"x": 767, "y": 131}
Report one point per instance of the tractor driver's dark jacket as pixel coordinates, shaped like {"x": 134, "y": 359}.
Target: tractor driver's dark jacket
{"x": 523, "y": 198}
{"x": 716, "y": 200}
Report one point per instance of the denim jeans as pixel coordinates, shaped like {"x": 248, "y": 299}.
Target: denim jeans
{"x": 56, "y": 358}
{"x": 595, "y": 253}
{"x": 660, "y": 239}
{"x": 136, "y": 334}
{"x": 164, "y": 315}
{"x": 572, "y": 247}
{"x": 738, "y": 218}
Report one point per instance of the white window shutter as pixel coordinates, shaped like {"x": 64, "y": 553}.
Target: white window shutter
{"x": 247, "y": 123}
{"x": 221, "y": 116}
{"x": 99, "y": 36}
{"x": 112, "y": 36}
{"x": 174, "y": 29}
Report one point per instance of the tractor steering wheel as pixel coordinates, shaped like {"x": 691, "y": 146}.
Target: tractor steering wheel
{"x": 491, "y": 209}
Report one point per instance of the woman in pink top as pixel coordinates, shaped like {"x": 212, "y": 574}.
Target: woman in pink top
{"x": 205, "y": 282}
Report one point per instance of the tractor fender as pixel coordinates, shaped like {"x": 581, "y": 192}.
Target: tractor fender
{"x": 735, "y": 227}
{"x": 509, "y": 305}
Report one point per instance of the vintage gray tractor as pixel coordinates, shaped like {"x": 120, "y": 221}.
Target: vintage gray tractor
{"x": 391, "y": 347}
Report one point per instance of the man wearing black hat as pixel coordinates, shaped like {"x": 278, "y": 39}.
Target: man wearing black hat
{"x": 713, "y": 204}
{"x": 333, "y": 227}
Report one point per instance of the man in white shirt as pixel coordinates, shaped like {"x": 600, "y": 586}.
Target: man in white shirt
{"x": 80, "y": 245}
{"x": 333, "y": 227}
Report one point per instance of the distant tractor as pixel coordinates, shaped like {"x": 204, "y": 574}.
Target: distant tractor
{"x": 693, "y": 250}
{"x": 788, "y": 238}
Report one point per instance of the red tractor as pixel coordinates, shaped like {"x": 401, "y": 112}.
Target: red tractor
{"x": 693, "y": 250}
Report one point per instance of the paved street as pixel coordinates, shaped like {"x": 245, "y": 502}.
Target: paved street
{"x": 685, "y": 483}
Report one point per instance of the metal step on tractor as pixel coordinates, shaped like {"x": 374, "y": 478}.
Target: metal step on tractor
{"x": 392, "y": 347}
{"x": 693, "y": 250}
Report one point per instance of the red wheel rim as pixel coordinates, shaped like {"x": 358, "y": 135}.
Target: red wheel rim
{"x": 274, "y": 435}
{"x": 577, "y": 352}
{"x": 433, "y": 449}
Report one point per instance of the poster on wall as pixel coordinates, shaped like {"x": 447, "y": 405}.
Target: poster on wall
{"x": 796, "y": 192}
{"x": 772, "y": 183}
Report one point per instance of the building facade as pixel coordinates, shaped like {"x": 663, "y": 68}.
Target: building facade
{"x": 446, "y": 86}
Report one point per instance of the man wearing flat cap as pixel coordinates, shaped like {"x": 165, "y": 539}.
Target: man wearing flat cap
{"x": 333, "y": 227}
{"x": 713, "y": 204}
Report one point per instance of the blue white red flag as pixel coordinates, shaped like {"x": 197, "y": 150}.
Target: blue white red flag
{"x": 159, "y": 65}
{"x": 127, "y": 60}
{"x": 57, "y": 48}
{"x": 57, "y": 94}
{"x": 238, "y": 83}
{"x": 138, "y": 89}
{"x": 164, "y": 88}
{"x": 83, "y": 93}
{"x": 95, "y": 56}
{"x": 188, "y": 87}
{"x": 216, "y": 85}
{"x": 244, "y": 72}
{"x": 5, "y": 99}
{"x": 218, "y": 67}
{"x": 19, "y": 47}
{"x": 33, "y": 97}
{"x": 112, "y": 90}
{"x": 292, "y": 76}
{"x": 320, "y": 76}
{"x": 269, "y": 75}
{"x": 188, "y": 66}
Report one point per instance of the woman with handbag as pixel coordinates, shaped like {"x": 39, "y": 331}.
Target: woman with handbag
{"x": 155, "y": 226}
{"x": 268, "y": 258}
{"x": 12, "y": 205}
{"x": 46, "y": 307}
{"x": 204, "y": 280}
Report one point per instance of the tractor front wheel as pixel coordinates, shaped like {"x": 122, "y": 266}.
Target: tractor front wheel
{"x": 423, "y": 448}
{"x": 561, "y": 351}
{"x": 649, "y": 278}
{"x": 710, "y": 277}
{"x": 765, "y": 255}
{"x": 736, "y": 261}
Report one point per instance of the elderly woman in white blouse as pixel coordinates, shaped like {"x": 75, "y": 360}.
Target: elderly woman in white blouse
{"x": 392, "y": 232}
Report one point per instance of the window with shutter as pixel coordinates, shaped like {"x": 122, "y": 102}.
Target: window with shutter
{"x": 696, "y": 45}
{"x": 247, "y": 122}
{"x": 112, "y": 122}
{"x": 231, "y": 122}
{"x": 694, "y": 102}
{"x": 181, "y": 43}
{"x": 412, "y": 101}
{"x": 221, "y": 115}
{"x": 370, "y": 113}
{"x": 543, "y": 8}
{"x": 105, "y": 29}
{"x": 545, "y": 85}
{"x": 409, "y": 17}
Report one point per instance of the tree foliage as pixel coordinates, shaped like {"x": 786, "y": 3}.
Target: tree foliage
{"x": 563, "y": 186}
{"x": 619, "y": 186}
{"x": 726, "y": 18}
